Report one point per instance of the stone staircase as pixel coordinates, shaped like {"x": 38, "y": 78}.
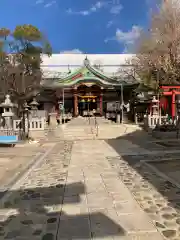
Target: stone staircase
{"x": 77, "y": 129}
{"x": 85, "y": 129}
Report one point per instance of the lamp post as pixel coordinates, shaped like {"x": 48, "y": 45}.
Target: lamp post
{"x": 122, "y": 104}
{"x": 157, "y": 89}
{"x": 63, "y": 106}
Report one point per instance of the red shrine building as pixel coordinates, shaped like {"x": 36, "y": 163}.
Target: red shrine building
{"x": 86, "y": 82}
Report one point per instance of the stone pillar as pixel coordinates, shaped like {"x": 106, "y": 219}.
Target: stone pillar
{"x": 101, "y": 104}
{"x": 75, "y": 103}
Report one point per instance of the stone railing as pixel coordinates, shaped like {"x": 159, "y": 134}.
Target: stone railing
{"x": 152, "y": 121}
{"x": 39, "y": 114}
{"x": 35, "y": 124}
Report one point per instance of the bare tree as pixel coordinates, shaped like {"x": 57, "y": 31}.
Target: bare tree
{"x": 158, "y": 54}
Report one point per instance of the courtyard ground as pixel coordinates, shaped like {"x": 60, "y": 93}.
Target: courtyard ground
{"x": 87, "y": 181}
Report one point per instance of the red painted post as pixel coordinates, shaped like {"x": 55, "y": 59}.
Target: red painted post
{"x": 173, "y": 104}
{"x": 75, "y": 103}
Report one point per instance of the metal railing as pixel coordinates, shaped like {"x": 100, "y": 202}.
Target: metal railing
{"x": 93, "y": 123}
{"x": 96, "y": 126}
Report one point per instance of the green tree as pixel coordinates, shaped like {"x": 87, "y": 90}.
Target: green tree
{"x": 20, "y": 59}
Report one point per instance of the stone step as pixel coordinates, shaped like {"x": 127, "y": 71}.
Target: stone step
{"x": 78, "y": 138}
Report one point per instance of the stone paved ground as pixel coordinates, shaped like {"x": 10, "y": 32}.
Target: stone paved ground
{"x": 153, "y": 179}
{"x": 113, "y": 213}
{"x": 157, "y": 196}
{"x": 92, "y": 189}
{"x": 73, "y": 193}
{"x": 33, "y": 205}
{"x": 14, "y": 160}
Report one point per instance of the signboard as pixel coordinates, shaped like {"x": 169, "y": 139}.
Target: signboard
{"x": 112, "y": 106}
{"x": 61, "y": 107}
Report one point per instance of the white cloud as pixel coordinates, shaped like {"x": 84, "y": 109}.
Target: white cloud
{"x": 116, "y": 9}
{"x": 99, "y": 5}
{"x": 94, "y": 8}
{"x": 130, "y": 36}
{"x": 47, "y": 5}
{"x": 84, "y": 13}
{"x": 73, "y": 51}
{"x": 114, "y": 6}
{"x": 39, "y": 2}
{"x": 109, "y": 24}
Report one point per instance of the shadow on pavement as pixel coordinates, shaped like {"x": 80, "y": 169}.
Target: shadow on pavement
{"x": 6, "y": 145}
{"x": 148, "y": 177}
{"x": 38, "y": 213}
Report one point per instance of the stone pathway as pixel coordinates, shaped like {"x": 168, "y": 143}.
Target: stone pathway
{"x": 13, "y": 161}
{"x": 82, "y": 187}
{"x": 157, "y": 196}
{"x": 113, "y": 213}
{"x": 81, "y": 198}
{"x": 32, "y": 207}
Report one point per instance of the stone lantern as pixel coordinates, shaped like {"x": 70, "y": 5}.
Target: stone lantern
{"x": 34, "y": 107}
{"x": 155, "y": 106}
{"x": 8, "y": 114}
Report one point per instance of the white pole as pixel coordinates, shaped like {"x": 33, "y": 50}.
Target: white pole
{"x": 63, "y": 96}
{"x": 122, "y": 104}
{"x": 63, "y": 105}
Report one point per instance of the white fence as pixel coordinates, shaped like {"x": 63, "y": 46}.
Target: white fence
{"x": 152, "y": 121}
{"x": 34, "y": 124}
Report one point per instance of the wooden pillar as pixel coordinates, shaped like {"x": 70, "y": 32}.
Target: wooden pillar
{"x": 101, "y": 103}
{"x": 173, "y": 107}
{"x": 75, "y": 103}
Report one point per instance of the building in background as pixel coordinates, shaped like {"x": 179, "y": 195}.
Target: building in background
{"x": 86, "y": 82}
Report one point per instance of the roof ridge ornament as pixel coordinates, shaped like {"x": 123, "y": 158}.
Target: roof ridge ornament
{"x": 69, "y": 70}
{"x": 86, "y": 61}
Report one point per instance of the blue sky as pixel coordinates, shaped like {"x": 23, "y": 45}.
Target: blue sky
{"x": 88, "y": 26}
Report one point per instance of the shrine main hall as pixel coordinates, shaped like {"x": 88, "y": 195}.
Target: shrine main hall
{"x": 83, "y": 82}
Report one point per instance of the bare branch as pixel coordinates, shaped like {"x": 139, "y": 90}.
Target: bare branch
{"x": 159, "y": 49}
